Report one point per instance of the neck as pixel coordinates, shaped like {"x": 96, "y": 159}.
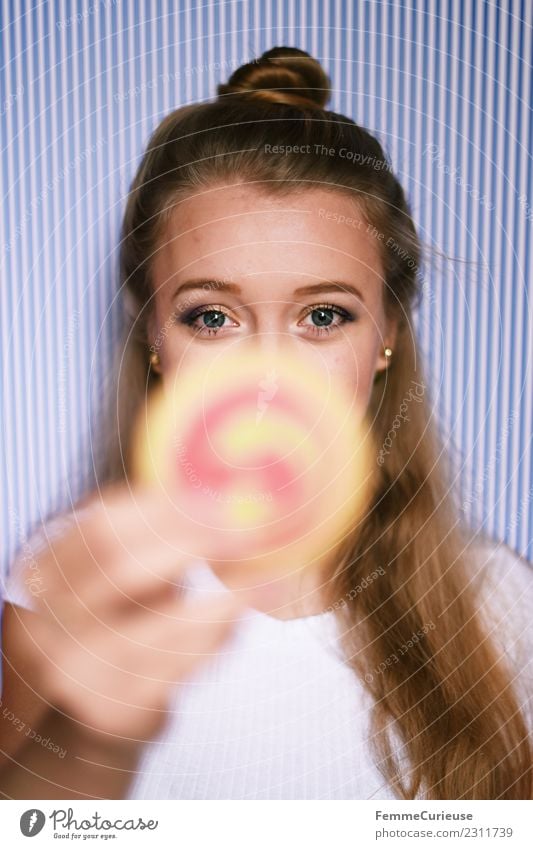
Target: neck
{"x": 288, "y": 596}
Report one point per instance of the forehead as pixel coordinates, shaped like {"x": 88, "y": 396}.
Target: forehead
{"x": 244, "y": 230}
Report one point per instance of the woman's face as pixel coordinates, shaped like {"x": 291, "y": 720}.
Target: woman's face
{"x": 236, "y": 264}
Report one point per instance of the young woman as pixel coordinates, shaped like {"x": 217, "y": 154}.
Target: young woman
{"x": 405, "y": 673}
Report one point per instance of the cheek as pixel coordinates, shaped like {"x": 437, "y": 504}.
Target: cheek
{"x": 355, "y": 369}
{"x": 182, "y": 351}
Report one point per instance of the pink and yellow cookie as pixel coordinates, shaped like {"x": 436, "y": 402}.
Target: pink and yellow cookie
{"x": 264, "y": 455}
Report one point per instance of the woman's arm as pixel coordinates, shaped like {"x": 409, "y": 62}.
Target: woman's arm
{"x": 21, "y": 707}
{"x": 72, "y": 763}
{"x": 92, "y": 670}
{"x": 87, "y": 766}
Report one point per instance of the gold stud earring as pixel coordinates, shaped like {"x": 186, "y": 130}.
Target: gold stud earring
{"x": 154, "y": 360}
{"x": 379, "y": 374}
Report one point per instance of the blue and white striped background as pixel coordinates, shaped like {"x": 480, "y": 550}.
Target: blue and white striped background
{"x": 447, "y": 87}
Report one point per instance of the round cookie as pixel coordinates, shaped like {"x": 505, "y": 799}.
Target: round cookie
{"x": 264, "y": 455}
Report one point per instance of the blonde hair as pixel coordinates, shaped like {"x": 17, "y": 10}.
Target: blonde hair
{"x": 449, "y": 704}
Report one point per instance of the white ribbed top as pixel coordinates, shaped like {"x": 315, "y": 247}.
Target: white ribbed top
{"x": 277, "y": 713}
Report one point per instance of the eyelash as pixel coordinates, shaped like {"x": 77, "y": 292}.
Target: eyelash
{"x": 190, "y": 318}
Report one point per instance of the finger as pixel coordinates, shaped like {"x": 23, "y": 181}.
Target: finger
{"x": 139, "y": 643}
{"x": 135, "y": 665}
{"x": 144, "y": 577}
{"x": 88, "y": 562}
{"x": 146, "y": 643}
{"x": 128, "y": 514}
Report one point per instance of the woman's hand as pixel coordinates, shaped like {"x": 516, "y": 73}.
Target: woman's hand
{"x": 113, "y": 633}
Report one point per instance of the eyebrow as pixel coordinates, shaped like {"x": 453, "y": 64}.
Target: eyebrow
{"x": 330, "y": 286}
{"x": 313, "y": 289}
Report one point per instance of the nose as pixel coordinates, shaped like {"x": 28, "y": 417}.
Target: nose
{"x": 276, "y": 343}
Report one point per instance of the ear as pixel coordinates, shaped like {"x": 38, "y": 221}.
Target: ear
{"x": 388, "y": 341}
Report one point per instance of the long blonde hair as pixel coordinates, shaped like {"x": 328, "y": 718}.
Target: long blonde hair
{"x": 445, "y": 705}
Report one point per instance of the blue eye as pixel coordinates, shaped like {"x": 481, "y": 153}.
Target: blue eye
{"x": 323, "y": 318}
{"x": 212, "y": 318}
{"x": 206, "y": 321}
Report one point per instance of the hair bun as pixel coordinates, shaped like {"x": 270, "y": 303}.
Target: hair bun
{"x": 282, "y": 75}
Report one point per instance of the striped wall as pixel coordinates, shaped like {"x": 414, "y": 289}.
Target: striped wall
{"x": 446, "y": 86}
